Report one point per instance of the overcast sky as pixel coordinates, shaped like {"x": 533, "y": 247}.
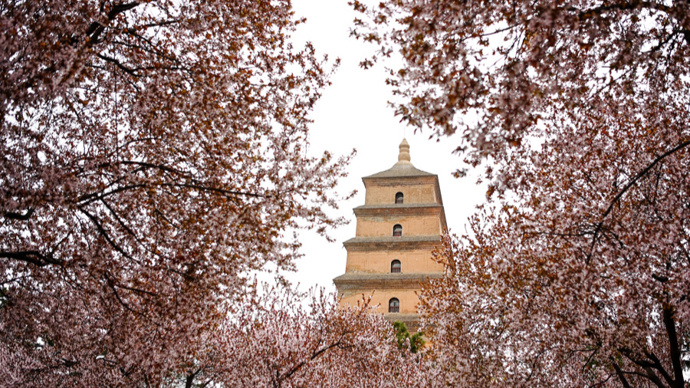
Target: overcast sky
{"x": 353, "y": 114}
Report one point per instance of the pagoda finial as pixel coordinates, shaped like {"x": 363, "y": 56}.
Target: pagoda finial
{"x": 404, "y": 155}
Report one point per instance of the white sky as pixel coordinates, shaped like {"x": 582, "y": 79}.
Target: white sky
{"x": 353, "y": 114}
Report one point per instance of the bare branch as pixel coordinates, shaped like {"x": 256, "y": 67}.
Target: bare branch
{"x": 674, "y": 348}
{"x": 33, "y": 257}
{"x": 19, "y": 216}
{"x": 627, "y": 187}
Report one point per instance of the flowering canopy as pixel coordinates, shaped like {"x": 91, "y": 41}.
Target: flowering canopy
{"x": 578, "y": 273}
{"x": 324, "y": 345}
{"x": 152, "y": 153}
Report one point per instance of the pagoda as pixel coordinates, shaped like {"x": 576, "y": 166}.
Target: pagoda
{"x": 399, "y": 225}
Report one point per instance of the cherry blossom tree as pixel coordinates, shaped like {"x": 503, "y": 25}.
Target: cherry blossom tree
{"x": 276, "y": 342}
{"x": 576, "y": 273}
{"x": 153, "y": 155}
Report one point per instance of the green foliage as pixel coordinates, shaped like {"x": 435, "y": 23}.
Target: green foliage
{"x": 402, "y": 336}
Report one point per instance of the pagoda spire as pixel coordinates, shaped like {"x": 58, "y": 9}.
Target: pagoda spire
{"x": 404, "y": 155}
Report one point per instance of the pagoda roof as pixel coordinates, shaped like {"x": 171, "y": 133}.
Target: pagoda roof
{"x": 400, "y": 170}
{"x": 403, "y": 168}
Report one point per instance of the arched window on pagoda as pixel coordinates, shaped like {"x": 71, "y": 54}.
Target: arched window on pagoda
{"x": 396, "y": 266}
{"x": 397, "y": 230}
{"x": 394, "y": 305}
{"x": 399, "y": 197}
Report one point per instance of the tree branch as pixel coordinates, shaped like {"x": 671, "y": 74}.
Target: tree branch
{"x": 653, "y": 377}
{"x": 314, "y": 355}
{"x": 674, "y": 349}
{"x": 111, "y": 285}
{"x": 620, "y": 374}
{"x": 627, "y": 187}
{"x": 623, "y": 6}
{"x": 96, "y": 29}
{"x": 642, "y": 173}
{"x": 19, "y": 216}
{"x": 659, "y": 367}
{"x": 190, "y": 378}
{"x": 92, "y": 197}
{"x": 646, "y": 366}
{"x": 33, "y": 257}
{"x": 215, "y": 190}
{"x": 103, "y": 233}
{"x": 128, "y": 70}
